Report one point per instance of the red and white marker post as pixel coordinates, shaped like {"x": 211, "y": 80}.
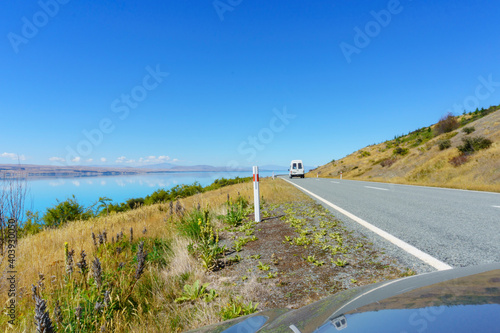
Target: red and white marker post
{"x": 256, "y": 195}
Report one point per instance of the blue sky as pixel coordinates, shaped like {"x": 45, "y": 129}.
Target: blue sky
{"x": 235, "y": 82}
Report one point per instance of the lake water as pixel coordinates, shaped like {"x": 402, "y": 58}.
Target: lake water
{"x": 44, "y": 193}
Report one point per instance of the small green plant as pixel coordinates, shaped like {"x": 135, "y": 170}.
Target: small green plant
{"x": 354, "y": 281}
{"x": 444, "y": 144}
{"x": 207, "y": 247}
{"x": 240, "y": 242}
{"x": 271, "y": 275}
{"x": 263, "y": 267}
{"x": 236, "y": 258}
{"x": 313, "y": 260}
{"x": 310, "y": 259}
{"x": 255, "y": 256}
{"x": 190, "y": 226}
{"x": 195, "y": 291}
{"x": 244, "y": 278}
{"x": 236, "y": 211}
{"x": 237, "y": 309}
{"x": 468, "y": 130}
{"x": 339, "y": 262}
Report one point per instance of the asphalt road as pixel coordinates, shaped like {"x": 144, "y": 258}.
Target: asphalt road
{"x": 453, "y": 227}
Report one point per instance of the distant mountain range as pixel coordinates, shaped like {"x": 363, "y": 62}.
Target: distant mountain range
{"x": 207, "y": 168}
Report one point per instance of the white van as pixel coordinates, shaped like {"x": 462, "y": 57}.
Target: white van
{"x": 296, "y": 169}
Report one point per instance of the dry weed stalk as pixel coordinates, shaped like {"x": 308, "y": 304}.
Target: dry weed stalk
{"x": 42, "y": 317}
{"x": 97, "y": 272}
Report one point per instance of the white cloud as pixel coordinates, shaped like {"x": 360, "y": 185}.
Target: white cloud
{"x": 76, "y": 159}
{"x": 121, "y": 159}
{"x": 163, "y": 158}
{"x": 13, "y": 156}
{"x": 57, "y": 159}
{"x": 90, "y": 160}
{"x": 130, "y": 161}
{"x": 103, "y": 159}
{"x": 175, "y": 160}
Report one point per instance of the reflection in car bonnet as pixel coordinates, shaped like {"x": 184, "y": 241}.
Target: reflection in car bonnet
{"x": 250, "y": 325}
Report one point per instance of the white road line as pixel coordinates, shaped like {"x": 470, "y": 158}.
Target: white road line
{"x": 428, "y": 259}
{"x": 496, "y": 206}
{"x": 335, "y": 182}
{"x": 377, "y": 188}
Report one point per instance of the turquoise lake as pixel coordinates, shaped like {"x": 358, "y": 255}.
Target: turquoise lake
{"x": 44, "y": 193}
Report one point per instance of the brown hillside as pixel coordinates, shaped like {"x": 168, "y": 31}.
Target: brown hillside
{"x": 424, "y": 163}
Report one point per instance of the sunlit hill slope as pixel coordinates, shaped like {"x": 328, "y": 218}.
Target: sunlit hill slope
{"x": 458, "y": 152}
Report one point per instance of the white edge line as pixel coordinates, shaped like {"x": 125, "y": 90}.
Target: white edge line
{"x": 294, "y": 329}
{"x": 496, "y": 206}
{"x": 428, "y": 259}
{"x": 335, "y": 182}
{"x": 377, "y": 188}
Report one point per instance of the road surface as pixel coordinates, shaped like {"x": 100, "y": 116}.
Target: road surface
{"x": 426, "y": 228}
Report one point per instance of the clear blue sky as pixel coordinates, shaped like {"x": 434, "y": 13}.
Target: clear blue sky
{"x": 346, "y": 73}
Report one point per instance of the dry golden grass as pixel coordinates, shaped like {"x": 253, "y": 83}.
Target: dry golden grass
{"x": 426, "y": 164}
{"x": 44, "y": 253}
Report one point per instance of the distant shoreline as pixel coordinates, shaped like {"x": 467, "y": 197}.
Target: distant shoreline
{"x": 45, "y": 171}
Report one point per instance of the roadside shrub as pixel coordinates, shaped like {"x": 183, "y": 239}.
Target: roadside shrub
{"x": 468, "y": 130}
{"x": 472, "y": 144}
{"x": 135, "y": 202}
{"x": 400, "y": 151}
{"x": 218, "y": 183}
{"x": 32, "y": 226}
{"x": 363, "y": 153}
{"x": 447, "y": 124}
{"x": 176, "y": 192}
{"x": 65, "y": 211}
{"x": 388, "y": 162}
{"x": 444, "y": 144}
{"x": 459, "y": 160}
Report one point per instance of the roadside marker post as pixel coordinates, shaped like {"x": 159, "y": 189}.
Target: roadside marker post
{"x": 256, "y": 195}
{"x": 340, "y": 174}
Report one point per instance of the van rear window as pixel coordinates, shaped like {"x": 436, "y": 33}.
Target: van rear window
{"x": 300, "y": 165}
{"x": 294, "y": 166}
